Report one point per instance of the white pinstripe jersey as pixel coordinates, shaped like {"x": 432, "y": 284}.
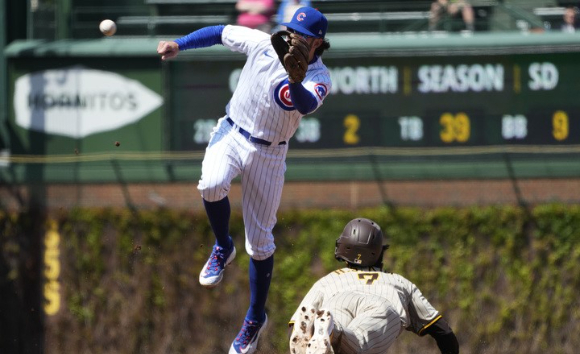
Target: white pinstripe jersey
{"x": 414, "y": 310}
{"x": 261, "y": 102}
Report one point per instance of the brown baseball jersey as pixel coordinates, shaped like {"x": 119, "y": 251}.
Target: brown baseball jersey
{"x": 370, "y": 308}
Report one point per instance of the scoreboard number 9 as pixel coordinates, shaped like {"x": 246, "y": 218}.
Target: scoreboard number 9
{"x": 560, "y": 125}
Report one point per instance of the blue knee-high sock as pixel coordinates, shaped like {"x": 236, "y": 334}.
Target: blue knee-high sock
{"x": 260, "y": 277}
{"x": 218, "y": 214}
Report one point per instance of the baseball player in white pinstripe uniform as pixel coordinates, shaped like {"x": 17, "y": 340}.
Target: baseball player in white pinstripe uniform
{"x": 251, "y": 140}
{"x": 360, "y": 308}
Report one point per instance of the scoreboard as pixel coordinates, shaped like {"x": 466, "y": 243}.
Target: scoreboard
{"x": 406, "y": 101}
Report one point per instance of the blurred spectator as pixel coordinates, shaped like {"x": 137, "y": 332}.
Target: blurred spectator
{"x": 569, "y": 25}
{"x": 451, "y": 9}
{"x": 256, "y": 14}
{"x": 287, "y": 9}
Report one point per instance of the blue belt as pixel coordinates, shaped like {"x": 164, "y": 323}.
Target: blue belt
{"x": 250, "y": 138}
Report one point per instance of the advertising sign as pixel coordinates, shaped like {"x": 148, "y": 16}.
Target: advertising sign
{"x": 78, "y": 101}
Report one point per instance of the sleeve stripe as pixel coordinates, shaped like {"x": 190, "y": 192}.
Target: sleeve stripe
{"x": 429, "y": 324}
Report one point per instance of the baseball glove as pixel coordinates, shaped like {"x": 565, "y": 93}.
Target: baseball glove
{"x": 293, "y": 51}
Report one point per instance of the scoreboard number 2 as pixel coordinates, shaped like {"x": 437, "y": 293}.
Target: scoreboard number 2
{"x": 352, "y": 125}
{"x": 455, "y": 128}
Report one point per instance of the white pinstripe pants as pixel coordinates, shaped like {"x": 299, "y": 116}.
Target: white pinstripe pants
{"x": 261, "y": 168}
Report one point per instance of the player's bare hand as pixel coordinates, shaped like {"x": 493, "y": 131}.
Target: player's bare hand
{"x": 167, "y": 49}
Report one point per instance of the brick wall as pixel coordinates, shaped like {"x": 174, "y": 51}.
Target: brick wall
{"x": 351, "y": 195}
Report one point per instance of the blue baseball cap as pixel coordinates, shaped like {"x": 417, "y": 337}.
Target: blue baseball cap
{"x": 308, "y": 21}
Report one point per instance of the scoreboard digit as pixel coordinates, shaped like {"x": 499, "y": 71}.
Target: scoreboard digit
{"x": 561, "y": 125}
{"x": 454, "y": 128}
{"x": 352, "y": 126}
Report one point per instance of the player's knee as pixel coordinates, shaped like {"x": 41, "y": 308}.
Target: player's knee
{"x": 261, "y": 252}
{"x": 213, "y": 192}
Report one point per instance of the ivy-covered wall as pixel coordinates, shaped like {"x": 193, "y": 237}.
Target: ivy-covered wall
{"x": 121, "y": 281}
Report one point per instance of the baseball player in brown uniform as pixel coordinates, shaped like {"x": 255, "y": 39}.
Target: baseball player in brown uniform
{"x": 360, "y": 308}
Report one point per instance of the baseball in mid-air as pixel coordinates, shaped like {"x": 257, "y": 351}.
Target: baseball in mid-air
{"x": 108, "y": 27}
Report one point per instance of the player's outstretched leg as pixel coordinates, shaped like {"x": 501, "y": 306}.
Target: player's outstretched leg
{"x": 247, "y": 340}
{"x": 223, "y": 252}
{"x": 302, "y": 331}
{"x": 320, "y": 341}
{"x": 212, "y": 272}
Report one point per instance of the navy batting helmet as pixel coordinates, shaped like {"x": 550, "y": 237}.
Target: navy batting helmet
{"x": 361, "y": 243}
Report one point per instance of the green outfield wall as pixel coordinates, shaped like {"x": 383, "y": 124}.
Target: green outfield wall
{"x": 402, "y": 106}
